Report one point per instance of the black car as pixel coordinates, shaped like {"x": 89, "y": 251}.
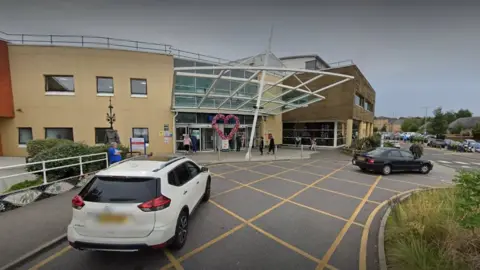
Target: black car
{"x": 387, "y": 160}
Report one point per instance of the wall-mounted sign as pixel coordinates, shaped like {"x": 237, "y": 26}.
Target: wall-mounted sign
{"x": 138, "y": 144}
{"x": 166, "y": 127}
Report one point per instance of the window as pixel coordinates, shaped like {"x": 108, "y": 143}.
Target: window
{"x": 406, "y": 154}
{"x": 59, "y": 83}
{"x": 369, "y": 107}
{"x": 138, "y": 87}
{"x": 192, "y": 169}
{"x": 104, "y": 85}
{"x": 140, "y": 133}
{"x": 182, "y": 174}
{"x": 394, "y": 154}
{"x": 359, "y": 100}
{"x": 59, "y": 133}
{"x": 24, "y": 135}
{"x": 120, "y": 190}
{"x": 173, "y": 180}
{"x": 101, "y": 135}
{"x": 312, "y": 65}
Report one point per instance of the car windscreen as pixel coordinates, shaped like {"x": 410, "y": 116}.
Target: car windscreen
{"x": 120, "y": 190}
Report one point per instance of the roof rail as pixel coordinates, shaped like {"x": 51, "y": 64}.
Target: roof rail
{"x": 173, "y": 160}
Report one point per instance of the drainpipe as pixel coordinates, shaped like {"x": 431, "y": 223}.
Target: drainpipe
{"x": 174, "y": 133}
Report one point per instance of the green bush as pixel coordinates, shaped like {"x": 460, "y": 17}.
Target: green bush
{"x": 104, "y": 148}
{"x": 468, "y": 193}
{"x": 388, "y": 144}
{"x": 367, "y": 143}
{"x": 34, "y": 147}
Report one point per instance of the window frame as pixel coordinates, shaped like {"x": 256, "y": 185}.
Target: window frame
{"x": 46, "y": 76}
{"x": 24, "y": 128}
{"x": 131, "y": 87}
{"x": 70, "y": 128}
{"x": 148, "y": 134}
{"x": 195, "y": 166}
{"x": 95, "y": 133}
{"x": 113, "y": 85}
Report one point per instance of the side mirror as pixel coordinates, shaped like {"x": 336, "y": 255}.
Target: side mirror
{"x": 204, "y": 169}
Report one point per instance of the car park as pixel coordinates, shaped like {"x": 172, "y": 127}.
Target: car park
{"x": 138, "y": 204}
{"x": 387, "y": 160}
{"x": 439, "y": 143}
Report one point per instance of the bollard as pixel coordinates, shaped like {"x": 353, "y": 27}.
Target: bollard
{"x": 275, "y": 152}
{"x": 301, "y": 151}
{"x": 218, "y": 150}
{"x": 44, "y": 172}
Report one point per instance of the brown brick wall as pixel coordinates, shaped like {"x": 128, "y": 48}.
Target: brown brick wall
{"x": 339, "y": 103}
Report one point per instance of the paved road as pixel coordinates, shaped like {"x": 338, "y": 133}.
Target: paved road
{"x": 299, "y": 214}
{"x": 455, "y": 160}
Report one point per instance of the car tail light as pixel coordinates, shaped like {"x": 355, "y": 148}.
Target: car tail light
{"x": 77, "y": 202}
{"x": 371, "y": 161}
{"x": 156, "y": 204}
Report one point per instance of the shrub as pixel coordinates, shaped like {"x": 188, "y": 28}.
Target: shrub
{"x": 24, "y": 184}
{"x": 368, "y": 143}
{"x": 468, "y": 193}
{"x": 36, "y": 146}
{"x": 388, "y": 144}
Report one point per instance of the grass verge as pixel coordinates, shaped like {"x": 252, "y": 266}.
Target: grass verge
{"x": 423, "y": 233}
{"x": 24, "y": 184}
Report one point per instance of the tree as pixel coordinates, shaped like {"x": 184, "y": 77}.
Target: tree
{"x": 413, "y": 127}
{"x": 384, "y": 128}
{"x": 411, "y": 124}
{"x": 375, "y": 129}
{"x": 450, "y": 116}
{"x": 476, "y": 132}
{"x": 463, "y": 113}
{"x": 438, "y": 124}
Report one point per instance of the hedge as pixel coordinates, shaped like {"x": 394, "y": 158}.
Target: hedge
{"x": 34, "y": 147}
{"x": 73, "y": 149}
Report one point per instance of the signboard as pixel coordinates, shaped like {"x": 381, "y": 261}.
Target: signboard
{"x": 168, "y": 134}
{"x": 138, "y": 144}
{"x": 225, "y": 145}
{"x": 166, "y": 127}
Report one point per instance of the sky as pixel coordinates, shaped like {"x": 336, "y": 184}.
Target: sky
{"x": 414, "y": 55}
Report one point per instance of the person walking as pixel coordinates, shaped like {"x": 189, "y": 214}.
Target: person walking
{"x": 271, "y": 144}
{"x": 194, "y": 143}
{"x": 313, "y": 144}
{"x": 261, "y": 146}
{"x": 239, "y": 143}
{"x": 298, "y": 141}
{"x": 186, "y": 143}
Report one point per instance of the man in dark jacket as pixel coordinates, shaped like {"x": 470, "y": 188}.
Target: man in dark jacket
{"x": 239, "y": 143}
{"x": 271, "y": 145}
{"x": 261, "y": 146}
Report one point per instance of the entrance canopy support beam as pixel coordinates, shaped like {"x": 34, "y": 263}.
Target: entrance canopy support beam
{"x": 211, "y": 87}
{"x": 240, "y": 87}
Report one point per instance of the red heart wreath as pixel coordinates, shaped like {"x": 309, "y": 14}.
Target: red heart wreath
{"x": 225, "y": 120}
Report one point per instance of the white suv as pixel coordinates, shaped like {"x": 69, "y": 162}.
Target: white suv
{"x": 138, "y": 204}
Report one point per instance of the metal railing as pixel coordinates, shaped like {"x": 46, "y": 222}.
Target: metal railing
{"x": 45, "y": 169}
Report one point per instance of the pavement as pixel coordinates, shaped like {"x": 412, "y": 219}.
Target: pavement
{"x": 5, "y": 183}
{"x": 299, "y": 214}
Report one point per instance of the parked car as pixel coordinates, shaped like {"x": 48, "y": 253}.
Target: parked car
{"x": 437, "y": 143}
{"x": 476, "y": 148}
{"x": 387, "y": 160}
{"x": 138, "y": 204}
{"x": 468, "y": 145}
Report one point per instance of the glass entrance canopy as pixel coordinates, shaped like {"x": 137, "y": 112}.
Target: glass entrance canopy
{"x": 203, "y": 86}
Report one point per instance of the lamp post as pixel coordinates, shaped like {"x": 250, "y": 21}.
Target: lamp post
{"x": 110, "y": 115}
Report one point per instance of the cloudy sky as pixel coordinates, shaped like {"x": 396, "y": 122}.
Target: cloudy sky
{"x": 413, "y": 55}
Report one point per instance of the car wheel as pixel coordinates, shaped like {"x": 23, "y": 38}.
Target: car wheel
{"x": 181, "y": 231}
{"x": 425, "y": 169}
{"x": 206, "y": 194}
{"x": 387, "y": 169}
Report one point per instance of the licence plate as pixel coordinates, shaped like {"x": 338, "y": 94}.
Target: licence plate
{"x": 361, "y": 158}
{"x": 108, "y": 218}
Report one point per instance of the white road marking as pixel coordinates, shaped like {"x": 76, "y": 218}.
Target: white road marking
{"x": 476, "y": 163}
{"x": 459, "y": 162}
{"x": 466, "y": 167}
{"x": 444, "y": 161}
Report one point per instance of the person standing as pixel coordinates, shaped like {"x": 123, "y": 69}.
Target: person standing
{"x": 313, "y": 144}
{"x": 114, "y": 155}
{"x": 271, "y": 145}
{"x": 239, "y": 143}
{"x": 261, "y": 146}
{"x": 186, "y": 143}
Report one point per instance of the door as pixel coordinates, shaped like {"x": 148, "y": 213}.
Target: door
{"x": 410, "y": 162}
{"x": 187, "y": 187}
{"x": 179, "y": 135}
{"x": 397, "y": 160}
{"x": 208, "y": 139}
{"x": 195, "y": 132}
{"x": 196, "y": 178}
{"x": 111, "y": 207}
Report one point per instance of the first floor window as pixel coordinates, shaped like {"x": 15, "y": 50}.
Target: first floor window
{"x": 105, "y": 85}
{"x": 138, "y": 86}
{"x": 59, "y": 83}
{"x": 59, "y": 133}
{"x": 24, "y": 135}
{"x": 140, "y": 133}
{"x": 101, "y": 135}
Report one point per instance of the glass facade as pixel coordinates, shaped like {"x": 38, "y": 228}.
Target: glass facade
{"x": 322, "y": 132}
